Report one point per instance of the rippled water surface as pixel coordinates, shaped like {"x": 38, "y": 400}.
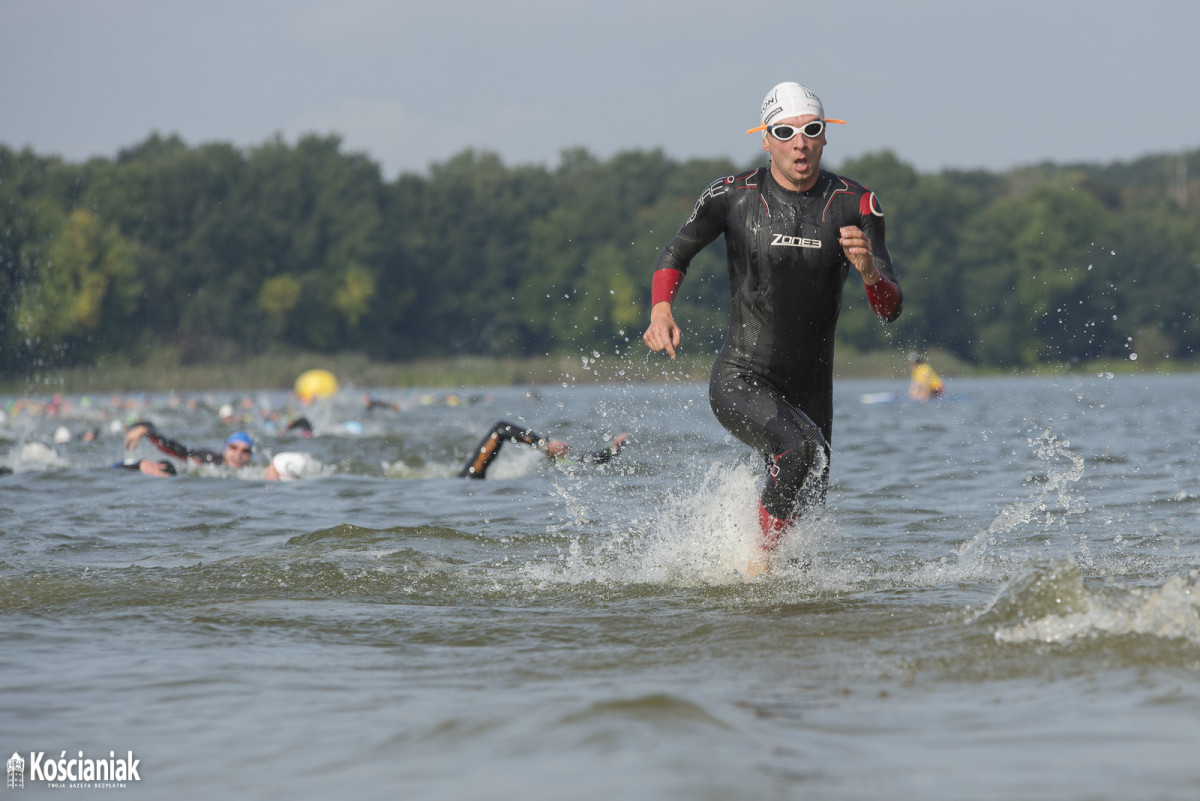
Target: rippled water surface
{"x": 999, "y": 601}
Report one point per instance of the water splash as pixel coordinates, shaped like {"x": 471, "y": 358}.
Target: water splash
{"x": 35, "y": 456}
{"x": 1046, "y": 513}
{"x": 702, "y": 536}
{"x": 695, "y": 537}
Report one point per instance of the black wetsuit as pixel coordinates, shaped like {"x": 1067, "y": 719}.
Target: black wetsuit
{"x": 772, "y": 383}
{"x": 489, "y": 448}
{"x": 136, "y": 464}
{"x": 179, "y": 450}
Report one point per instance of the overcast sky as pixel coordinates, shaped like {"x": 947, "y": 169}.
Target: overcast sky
{"x": 942, "y": 83}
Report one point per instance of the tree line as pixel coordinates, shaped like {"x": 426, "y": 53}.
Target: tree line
{"x": 212, "y": 251}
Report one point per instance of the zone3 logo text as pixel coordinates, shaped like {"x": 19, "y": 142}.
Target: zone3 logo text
{"x": 795, "y": 242}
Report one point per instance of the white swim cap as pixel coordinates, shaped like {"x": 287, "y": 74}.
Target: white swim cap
{"x": 62, "y": 435}
{"x": 789, "y": 99}
{"x": 291, "y": 465}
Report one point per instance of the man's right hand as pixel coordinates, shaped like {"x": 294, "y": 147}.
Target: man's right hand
{"x": 662, "y": 334}
{"x": 133, "y": 435}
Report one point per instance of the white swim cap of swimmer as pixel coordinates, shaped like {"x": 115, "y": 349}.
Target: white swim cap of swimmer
{"x": 790, "y": 99}
{"x": 291, "y": 465}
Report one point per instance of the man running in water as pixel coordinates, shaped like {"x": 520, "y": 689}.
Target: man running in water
{"x": 792, "y": 232}
{"x": 489, "y": 448}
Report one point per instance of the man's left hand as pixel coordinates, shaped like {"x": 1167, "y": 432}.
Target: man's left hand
{"x": 857, "y": 248}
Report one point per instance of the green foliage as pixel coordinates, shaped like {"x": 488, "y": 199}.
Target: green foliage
{"x": 88, "y": 270}
{"x": 209, "y": 251}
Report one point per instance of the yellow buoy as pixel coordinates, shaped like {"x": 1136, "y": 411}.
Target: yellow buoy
{"x": 314, "y": 384}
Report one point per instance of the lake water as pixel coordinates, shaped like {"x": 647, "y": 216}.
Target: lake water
{"x": 999, "y": 602}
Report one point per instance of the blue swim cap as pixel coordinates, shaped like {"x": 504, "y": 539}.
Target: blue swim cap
{"x": 242, "y": 437}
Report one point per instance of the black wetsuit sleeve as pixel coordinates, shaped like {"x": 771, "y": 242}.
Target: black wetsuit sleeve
{"x": 177, "y": 449}
{"x": 489, "y": 447}
{"x": 136, "y": 464}
{"x": 604, "y": 456}
{"x": 698, "y": 231}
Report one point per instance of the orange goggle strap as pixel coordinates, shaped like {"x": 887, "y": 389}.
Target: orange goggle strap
{"x": 827, "y": 122}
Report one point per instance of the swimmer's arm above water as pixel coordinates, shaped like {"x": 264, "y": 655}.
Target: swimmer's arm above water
{"x": 146, "y": 429}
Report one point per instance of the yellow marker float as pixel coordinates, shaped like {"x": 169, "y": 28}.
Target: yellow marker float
{"x": 314, "y": 384}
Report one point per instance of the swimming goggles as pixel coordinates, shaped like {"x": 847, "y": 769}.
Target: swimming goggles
{"x": 784, "y": 132}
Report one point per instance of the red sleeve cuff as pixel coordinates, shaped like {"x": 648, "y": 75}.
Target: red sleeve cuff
{"x": 666, "y": 284}
{"x": 884, "y": 297}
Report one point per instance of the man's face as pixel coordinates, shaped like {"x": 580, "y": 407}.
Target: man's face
{"x": 796, "y": 162}
{"x": 237, "y": 454}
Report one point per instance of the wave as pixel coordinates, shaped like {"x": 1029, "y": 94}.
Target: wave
{"x": 1050, "y": 602}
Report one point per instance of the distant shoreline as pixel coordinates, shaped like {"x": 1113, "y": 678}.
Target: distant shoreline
{"x": 353, "y": 370}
